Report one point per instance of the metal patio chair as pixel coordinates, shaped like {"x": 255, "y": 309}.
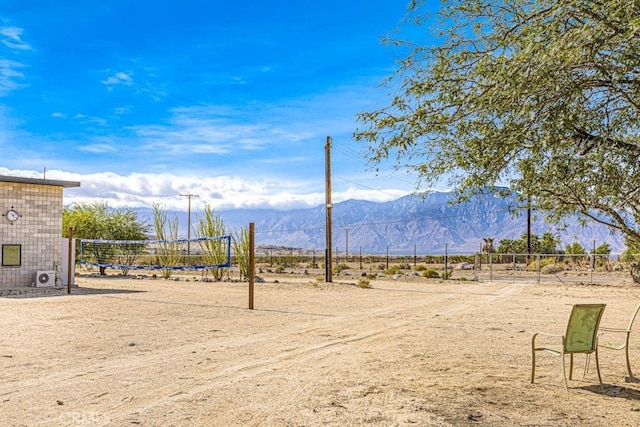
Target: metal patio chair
{"x": 581, "y": 337}
{"x": 620, "y": 345}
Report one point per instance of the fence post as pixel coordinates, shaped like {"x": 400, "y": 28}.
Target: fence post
{"x": 475, "y": 267}
{"x": 538, "y": 268}
{"x": 490, "y": 267}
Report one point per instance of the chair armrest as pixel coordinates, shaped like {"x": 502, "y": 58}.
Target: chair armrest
{"x": 533, "y": 339}
{"x": 549, "y": 335}
{"x": 613, "y": 329}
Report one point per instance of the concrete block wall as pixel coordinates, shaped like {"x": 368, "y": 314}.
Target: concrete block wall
{"x": 38, "y": 230}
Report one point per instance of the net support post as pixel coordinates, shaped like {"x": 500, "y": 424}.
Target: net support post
{"x": 252, "y": 263}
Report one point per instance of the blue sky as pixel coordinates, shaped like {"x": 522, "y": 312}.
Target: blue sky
{"x": 142, "y": 101}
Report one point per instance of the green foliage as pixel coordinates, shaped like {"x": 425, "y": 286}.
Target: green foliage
{"x": 603, "y": 249}
{"x": 168, "y": 252}
{"x": 632, "y": 251}
{"x": 541, "y": 95}
{"x": 545, "y": 244}
{"x": 431, "y": 274}
{"x": 215, "y": 251}
{"x": 99, "y": 221}
{"x": 394, "y": 269}
{"x": 487, "y": 245}
{"x": 575, "y": 248}
{"x": 420, "y": 267}
{"x": 279, "y": 269}
{"x": 241, "y": 250}
{"x": 628, "y": 256}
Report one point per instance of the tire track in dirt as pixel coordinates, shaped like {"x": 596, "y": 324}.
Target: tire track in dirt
{"x": 282, "y": 349}
{"x": 321, "y": 352}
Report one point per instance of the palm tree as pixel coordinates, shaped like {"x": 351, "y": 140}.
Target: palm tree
{"x": 487, "y": 245}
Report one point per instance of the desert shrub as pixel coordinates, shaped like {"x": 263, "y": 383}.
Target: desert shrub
{"x": 279, "y": 269}
{"x": 341, "y": 267}
{"x": 430, "y": 274}
{"x": 393, "y": 270}
{"x": 319, "y": 278}
{"x": 533, "y": 265}
{"x": 420, "y": 267}
{"x": 446, "y": 274}
{"x": 371, "y": 276}
{"x": 551, "y": 269}
{"x": 363, "y": 283}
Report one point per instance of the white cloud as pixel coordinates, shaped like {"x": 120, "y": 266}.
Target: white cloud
{"x": 12, "y": 38}
{"x": 220, "y": 192}
{"x": 90, "y": 119}
{"x": 10, "y": 75}
{"x": 98, "y": 148}
{"x": 118, "y": 79}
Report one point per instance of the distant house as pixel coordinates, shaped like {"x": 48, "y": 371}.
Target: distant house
{"x": 31, "y": 230}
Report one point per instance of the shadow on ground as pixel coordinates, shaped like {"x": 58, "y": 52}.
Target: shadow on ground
{"x": 611, "y": 390}
{"x": 56, "y": 292}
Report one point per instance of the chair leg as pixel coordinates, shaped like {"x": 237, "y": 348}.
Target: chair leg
{"x": 533, "y": 358}
{"x": 564, "y": 372}
{"x": 586, "y": 365}
{"x": 570, "y": 366}
{"x": 626, "y": 350}
{"x": 598, "y": 366}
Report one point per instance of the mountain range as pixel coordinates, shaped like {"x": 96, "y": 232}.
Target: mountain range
{"x": 408, "y": 225}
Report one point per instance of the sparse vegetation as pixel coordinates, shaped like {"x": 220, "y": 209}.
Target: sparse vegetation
{"x": 551, "y": 269}
{"x": 364, "y": 284}
{"x": 341, "y": 267}
{"x": 395, "y": 269}
{"x": 167, "y": 231}
{"x": 430, "y": 274}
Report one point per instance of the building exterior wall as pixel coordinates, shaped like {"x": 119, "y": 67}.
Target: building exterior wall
{"x": 38, "y": 230}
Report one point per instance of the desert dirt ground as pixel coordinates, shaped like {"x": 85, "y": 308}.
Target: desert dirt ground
{"x": 123, "y": 352}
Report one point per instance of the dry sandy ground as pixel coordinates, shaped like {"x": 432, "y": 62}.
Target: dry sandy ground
{"x": 124, "y": 352}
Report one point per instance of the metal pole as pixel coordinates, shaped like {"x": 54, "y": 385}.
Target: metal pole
{"x": 387, "y": 257}
{"x": 69, "y": 260}
{"x": 252, "y": 263}
{"x": 328, "y": 269}
{"x": 346, "y": 251}
{"x": 446, "y": 261}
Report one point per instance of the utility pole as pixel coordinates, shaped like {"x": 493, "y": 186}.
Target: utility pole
{"x": 346, "y": 252}
{"x": 189, "y": 196}
{"x": 328, "y": 269}
{"x": 529, "y": 230}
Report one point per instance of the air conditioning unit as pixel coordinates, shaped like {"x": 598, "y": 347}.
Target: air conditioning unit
{"x": 45, "y": 278}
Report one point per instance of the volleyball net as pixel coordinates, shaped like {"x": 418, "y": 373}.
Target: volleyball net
{"x": 180, "y": 254}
